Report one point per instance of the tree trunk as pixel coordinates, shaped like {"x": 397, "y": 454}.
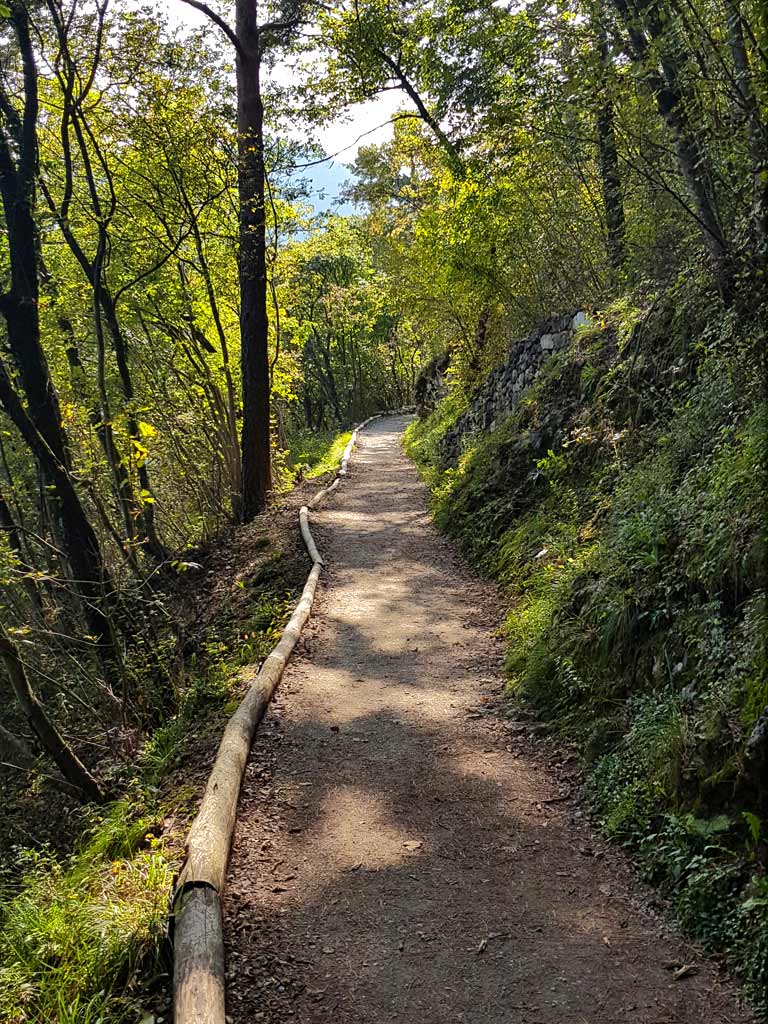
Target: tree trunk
{"x": 146, "y": 509}
{"x": 661, "y": 67}
{"x": 392, "y": 65}
{"x": 254, "y": 323}
{"x": 73, "y": 117}
{"x": 80, "y": 543}
{"x": 478, "y": 345}
{"x": 610, "y": 174}
{"x": 758, "y": 135}
{"x": 232, "y": 450}
{"x": 102, "y": 420}
{"x": 40, "y": 423}
{"x": 10, "y": 529}
{"x": 330, "y": 380}
{"x": 68, "y": 763}
{"x": 101, "y": 423}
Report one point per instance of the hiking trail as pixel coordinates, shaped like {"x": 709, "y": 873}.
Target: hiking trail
{"x": 404, "y": 852}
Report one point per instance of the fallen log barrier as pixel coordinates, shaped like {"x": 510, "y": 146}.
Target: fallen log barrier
{"x": 198, "y": 967}
{"x": 351, "y": 444}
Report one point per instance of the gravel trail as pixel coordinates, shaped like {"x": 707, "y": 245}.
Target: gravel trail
{"x": 404, "y": 852}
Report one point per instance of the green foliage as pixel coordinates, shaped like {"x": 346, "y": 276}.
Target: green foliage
{"x": 621, "y": 503}
{"x": 346, "y": 350}
{"x": 322, "y": 452}
{"x": 210, "y": 687}
{"x": 79, "y": 938}
{"x": 207, "y": 693}
{"x": 74, "y": 936}
{"x": 622, "y": 507}
{"x": 715, "y": 892}
{"x": 628, "y": 784}
{"x": 422, "y": 436}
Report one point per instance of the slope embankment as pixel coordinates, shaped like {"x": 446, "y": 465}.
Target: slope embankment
{"x": 619, "y": 500}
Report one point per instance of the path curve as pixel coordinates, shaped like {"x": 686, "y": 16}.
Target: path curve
{"x": 396, "y": 858}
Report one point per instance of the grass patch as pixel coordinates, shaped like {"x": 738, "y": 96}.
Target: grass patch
{"x": 81, "y": 938}
{"x": 321, "y": 452}
{"x": 74, "y": 936}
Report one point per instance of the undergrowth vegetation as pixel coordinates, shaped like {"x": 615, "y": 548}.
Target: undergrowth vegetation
{"x": 83, "y": 935}
{"x": 622, "y": 505}
{"x": 75, "y": 934}
{"x": 83, "y": 929}
{"x": 315, "y": 453}
{"x": 188, "y": 318}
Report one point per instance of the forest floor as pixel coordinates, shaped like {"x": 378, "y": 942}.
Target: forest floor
{"x": 410, "y": 848}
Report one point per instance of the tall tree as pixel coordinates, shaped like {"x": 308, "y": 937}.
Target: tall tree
{"x": 78, "y": 138}
{"x": 252, "y": 41}
{"x": 747, "y": 76}
{"x": 659, "y": 55}
{"x": 375, "y": 47}
{"x": 610, "y": 173}
{"x": 39, "y": 421}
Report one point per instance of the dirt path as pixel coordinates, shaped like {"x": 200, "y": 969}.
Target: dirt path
{"x": 396, "y": 857}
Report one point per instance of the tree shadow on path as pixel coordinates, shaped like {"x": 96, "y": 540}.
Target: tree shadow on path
{"x": 394, "y": 861}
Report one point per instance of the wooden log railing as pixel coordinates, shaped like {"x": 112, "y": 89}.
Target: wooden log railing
{"x": 198, "y": 974}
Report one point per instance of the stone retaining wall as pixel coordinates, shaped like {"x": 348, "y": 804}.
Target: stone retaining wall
{"x": 502, "y": 390}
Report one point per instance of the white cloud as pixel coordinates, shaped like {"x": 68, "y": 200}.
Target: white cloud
{"x": 363, "y": 124}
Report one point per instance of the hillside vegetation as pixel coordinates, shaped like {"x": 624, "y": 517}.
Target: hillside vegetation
{"x": 622, "y": 506}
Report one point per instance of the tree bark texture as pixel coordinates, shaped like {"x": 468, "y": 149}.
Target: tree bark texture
{"x": 662, "y": 74}
{"x": 254, "y": 321}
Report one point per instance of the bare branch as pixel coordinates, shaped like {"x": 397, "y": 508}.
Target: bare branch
{"x": 402, "y": 115}
{"x": 218, "y": 21}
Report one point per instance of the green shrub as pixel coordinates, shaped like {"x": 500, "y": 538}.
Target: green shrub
{"x": 77, "y": 935}
{"x": 628, "y": 784}
{"x": 422, "y": 437}
{"x": 321, "y": 451}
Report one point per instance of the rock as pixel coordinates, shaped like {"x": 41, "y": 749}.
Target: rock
{"x": 501, "y": 392}
{"x": 561, "y": 340}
